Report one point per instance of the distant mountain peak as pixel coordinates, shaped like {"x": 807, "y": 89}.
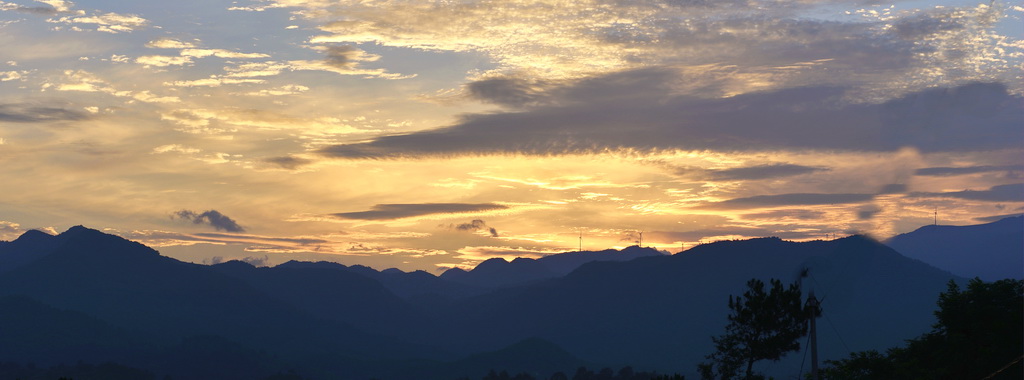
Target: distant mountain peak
{"x": 77, "y": 232}
{"x": 633, "y": 249}
{"x": 79, "y": 229}
{"x": 33, "y": 235}
{"x": 991, "y": 251}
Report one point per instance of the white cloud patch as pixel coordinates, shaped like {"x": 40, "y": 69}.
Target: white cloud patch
{"x": 175, "y": 148}
{"x": 169, "y": 43}
{"x": 217, "y": 121}
{"x": 106, "y": 22}
{"x": 58, "y": 5}
{"x": 212, "y": 82}
{"x": 291, "y": 89}
{"x": 163, "y": 60}
{"x": 84, "y": 81}
{"x": 148, "y": 97}
{"x": 770, "y": 43}
{"x": 12, "y": 75}
{"x": 219, "y": 53}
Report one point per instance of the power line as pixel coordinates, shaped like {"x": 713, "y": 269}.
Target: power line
{"x": 836, "y": 331}
{"x": 1005, "y": 367}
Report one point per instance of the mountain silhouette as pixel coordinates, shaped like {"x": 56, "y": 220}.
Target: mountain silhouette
{"x": 132, "y": 287}
{"x": 31, "y": 331}
{"x": 411, "y": 286}
{"x": 633, "y": 307}
{"x": 27, "y": 248}
{"x": 327, "y": 293}
{"x": 659, "y": 312}
{"x": 991, "y": 251}
{"x": 563, "y": 263}
{"x": 499, "y": 273}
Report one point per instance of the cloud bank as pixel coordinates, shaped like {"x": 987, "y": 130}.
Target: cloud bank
{"x": 212, "y": 218}
{"x": 27, "y": 113}
{"x": 972, "y": 117}
{"x": 398, "y": 211}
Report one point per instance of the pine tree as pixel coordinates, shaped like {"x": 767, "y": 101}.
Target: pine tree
{"x": 762, "y": 326}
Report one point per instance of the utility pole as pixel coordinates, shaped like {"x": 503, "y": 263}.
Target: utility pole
{"x": 581, "y": 240}
{"x": 813, "y": 305}
{"x": 936, "y": 221}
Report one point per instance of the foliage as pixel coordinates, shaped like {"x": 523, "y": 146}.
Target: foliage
{"x": 762, "y": 326}
{"x": 979, "y": 332}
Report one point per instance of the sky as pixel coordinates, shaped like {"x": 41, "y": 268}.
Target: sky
{"x": 424, "y": 135}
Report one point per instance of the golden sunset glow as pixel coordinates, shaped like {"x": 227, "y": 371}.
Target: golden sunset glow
{"x": 434, "y": 134}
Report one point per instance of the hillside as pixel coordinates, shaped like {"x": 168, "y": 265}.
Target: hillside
{"x": 653, "y": 312}
{"x": 659, "y": 312}
{"x": 991, "y": 251}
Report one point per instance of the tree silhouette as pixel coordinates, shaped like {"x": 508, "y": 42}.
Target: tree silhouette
{"x": 979, "y": 335}
{"x": 762, "y": 326}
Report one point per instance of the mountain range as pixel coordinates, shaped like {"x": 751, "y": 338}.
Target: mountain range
{"x": 991, "y": 251}
{"x": 84, "y": 295}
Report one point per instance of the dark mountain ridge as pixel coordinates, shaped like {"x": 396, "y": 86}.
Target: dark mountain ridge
{"x": 991, "y": 251}
{"x": 653, "y": 312}
{"x": 660, "y": 312}
{"x": 132, "y": 287}
{"x": 408, "y": 285}
{"x": 499, "y": 273}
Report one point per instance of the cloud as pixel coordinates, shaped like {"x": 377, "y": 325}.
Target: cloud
{"x": 107, "y": 22}
{"x": 288, "y": 162}
{"x": 219, "y": 53}
{"x": 256, "y": 261}
{"x": 165, "y": 238}
{"x": 973, "y": 117}
{"x": 868, "y": 212}
{"x": 758, "y": 172}
{"x": 786, "y": 232}
{"x": 27, "y": 113}
{"x": 187, "y": 55}
{"x": 505, "y": 91}
{"x": 9, "y": 227}
{"x": 963, "y": 170}
{"x": 994, "y": 218}
{"x": 12, "y": 75}
{"x": 795, "y": 199}
{"x": 398, "y": 211}
{"x": 55, "y": 7}
{"x": 169, "y": 43}
{"x": 212, "y": 82}
{"x": 212, "y": 218}
{"x": 290, "y": 89}
{"x": 163, "y": 60}
{"x": 473, "y": 226}
{"x": 260, "y": 239}
{"x": 797, "y": 214}
{"x": 893, "y": 188}
{"x": 84, "y": 81}
{"x": 1001, "y": 193}
{"x": 767, "y": 44}
{"x": 347, "y": 56}
{"x": 481, "y": 253}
